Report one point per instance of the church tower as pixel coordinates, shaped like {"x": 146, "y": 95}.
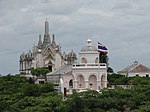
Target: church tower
{"x": 46, "y": 35}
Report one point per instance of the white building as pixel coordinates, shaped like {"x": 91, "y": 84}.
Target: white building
{"x": 45, "y": 54}
{"x": 66, "y": 73}
{"x": 135, "y": 69}
{"x": 88, "y": 74}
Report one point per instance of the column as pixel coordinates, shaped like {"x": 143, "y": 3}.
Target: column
{"x": 23, "y": 68}
{"x": 20, "y": 66}
{"x": 86, "y": 84}
{"x": 98, "y": 84}
{"x": 75, "y": 84}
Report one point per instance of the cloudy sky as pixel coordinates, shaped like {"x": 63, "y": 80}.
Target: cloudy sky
{"x": 122, "y": 25}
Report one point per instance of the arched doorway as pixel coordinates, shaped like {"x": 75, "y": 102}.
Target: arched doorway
{"x": 103, "y": 79}
{"x": 81, "y": 83}
{"x": 50, "y": 65}
{"x": 71, "y": 83}
{"x": 93, "y": 82}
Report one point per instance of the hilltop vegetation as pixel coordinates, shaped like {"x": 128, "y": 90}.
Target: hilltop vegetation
{"x": 18, "y": 94}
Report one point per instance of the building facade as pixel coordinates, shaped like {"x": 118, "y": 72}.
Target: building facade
{"x": 87, "y": 74}
{"x": 135, "y": 69}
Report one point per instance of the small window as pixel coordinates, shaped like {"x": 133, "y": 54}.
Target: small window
{"x": 147, "y": 75}
{"x": 41, "y": 82}
{"x": 137, "y": 75}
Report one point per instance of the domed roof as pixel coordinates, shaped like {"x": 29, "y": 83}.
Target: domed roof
{"x": 88, "y": 47}
{"x": 29, "y": 54}
{"x": 72, "y": 55}
{"x": 22, "y": 56}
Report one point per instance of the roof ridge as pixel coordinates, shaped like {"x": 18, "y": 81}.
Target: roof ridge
{"x": 134, "y": 66}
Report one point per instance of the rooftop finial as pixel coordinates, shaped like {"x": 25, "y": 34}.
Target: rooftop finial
{"x": 89, "y": 42}
{"x": 136, "y": 62}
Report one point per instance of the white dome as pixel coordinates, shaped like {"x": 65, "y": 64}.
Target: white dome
{"x": 89, "y": 47}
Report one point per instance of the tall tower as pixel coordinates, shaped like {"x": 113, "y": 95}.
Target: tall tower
{"x": 46, "y": 35}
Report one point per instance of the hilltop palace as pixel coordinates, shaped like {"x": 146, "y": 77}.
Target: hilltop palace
{"x": 67, "y": 72}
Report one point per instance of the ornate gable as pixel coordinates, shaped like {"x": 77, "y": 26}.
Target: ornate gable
{"x": 49, "y": 52}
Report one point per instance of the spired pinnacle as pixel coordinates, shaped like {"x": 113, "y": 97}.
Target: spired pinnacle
{"x": 53, "y": 41}
{"x": 46, "y": 35}
{"x": 40, "y": 42}
{"x": 46, "y": 27}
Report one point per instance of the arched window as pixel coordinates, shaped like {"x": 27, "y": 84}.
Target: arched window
{"x": 83, "y": 60}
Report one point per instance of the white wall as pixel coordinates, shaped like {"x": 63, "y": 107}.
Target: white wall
{"x": 140, "y": 74}
{"x": 57, "y": 61}
{"x": 89, "y": 56}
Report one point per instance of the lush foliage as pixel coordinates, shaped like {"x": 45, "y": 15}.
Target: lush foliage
{"x": 40, "y": 71}
{"x": 18, "y": 94}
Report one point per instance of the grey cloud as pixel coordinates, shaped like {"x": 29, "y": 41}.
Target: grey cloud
{"x": 123, "y": 26}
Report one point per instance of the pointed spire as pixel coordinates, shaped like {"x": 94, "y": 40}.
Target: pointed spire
{"x": 46, "y": 35}
{"x": 53, "y": 41}
{"x": 46, "y": 27}
{"x": 40, "y": 42}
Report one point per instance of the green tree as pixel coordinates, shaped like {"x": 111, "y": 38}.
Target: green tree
{"x": 103, "y": 58}
{"x": 40, "y": 71}
{"x": 47, "y": 87}
{"x": 110, "y": 70}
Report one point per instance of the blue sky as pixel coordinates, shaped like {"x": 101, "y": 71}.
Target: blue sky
{"x": 122, "y": 25}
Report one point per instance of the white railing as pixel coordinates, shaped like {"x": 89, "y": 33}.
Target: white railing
{"x": 90, "y": 65}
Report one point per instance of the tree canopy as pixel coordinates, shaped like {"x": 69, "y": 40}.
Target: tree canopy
{"x": 17, "y": 94}
{"x": 40, "y": 71}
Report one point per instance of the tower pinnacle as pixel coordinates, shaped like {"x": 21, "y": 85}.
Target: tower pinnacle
{"x": 40, "y": 42}
{"x": 46, "y": 27}
{"x": 46, "y": 35}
